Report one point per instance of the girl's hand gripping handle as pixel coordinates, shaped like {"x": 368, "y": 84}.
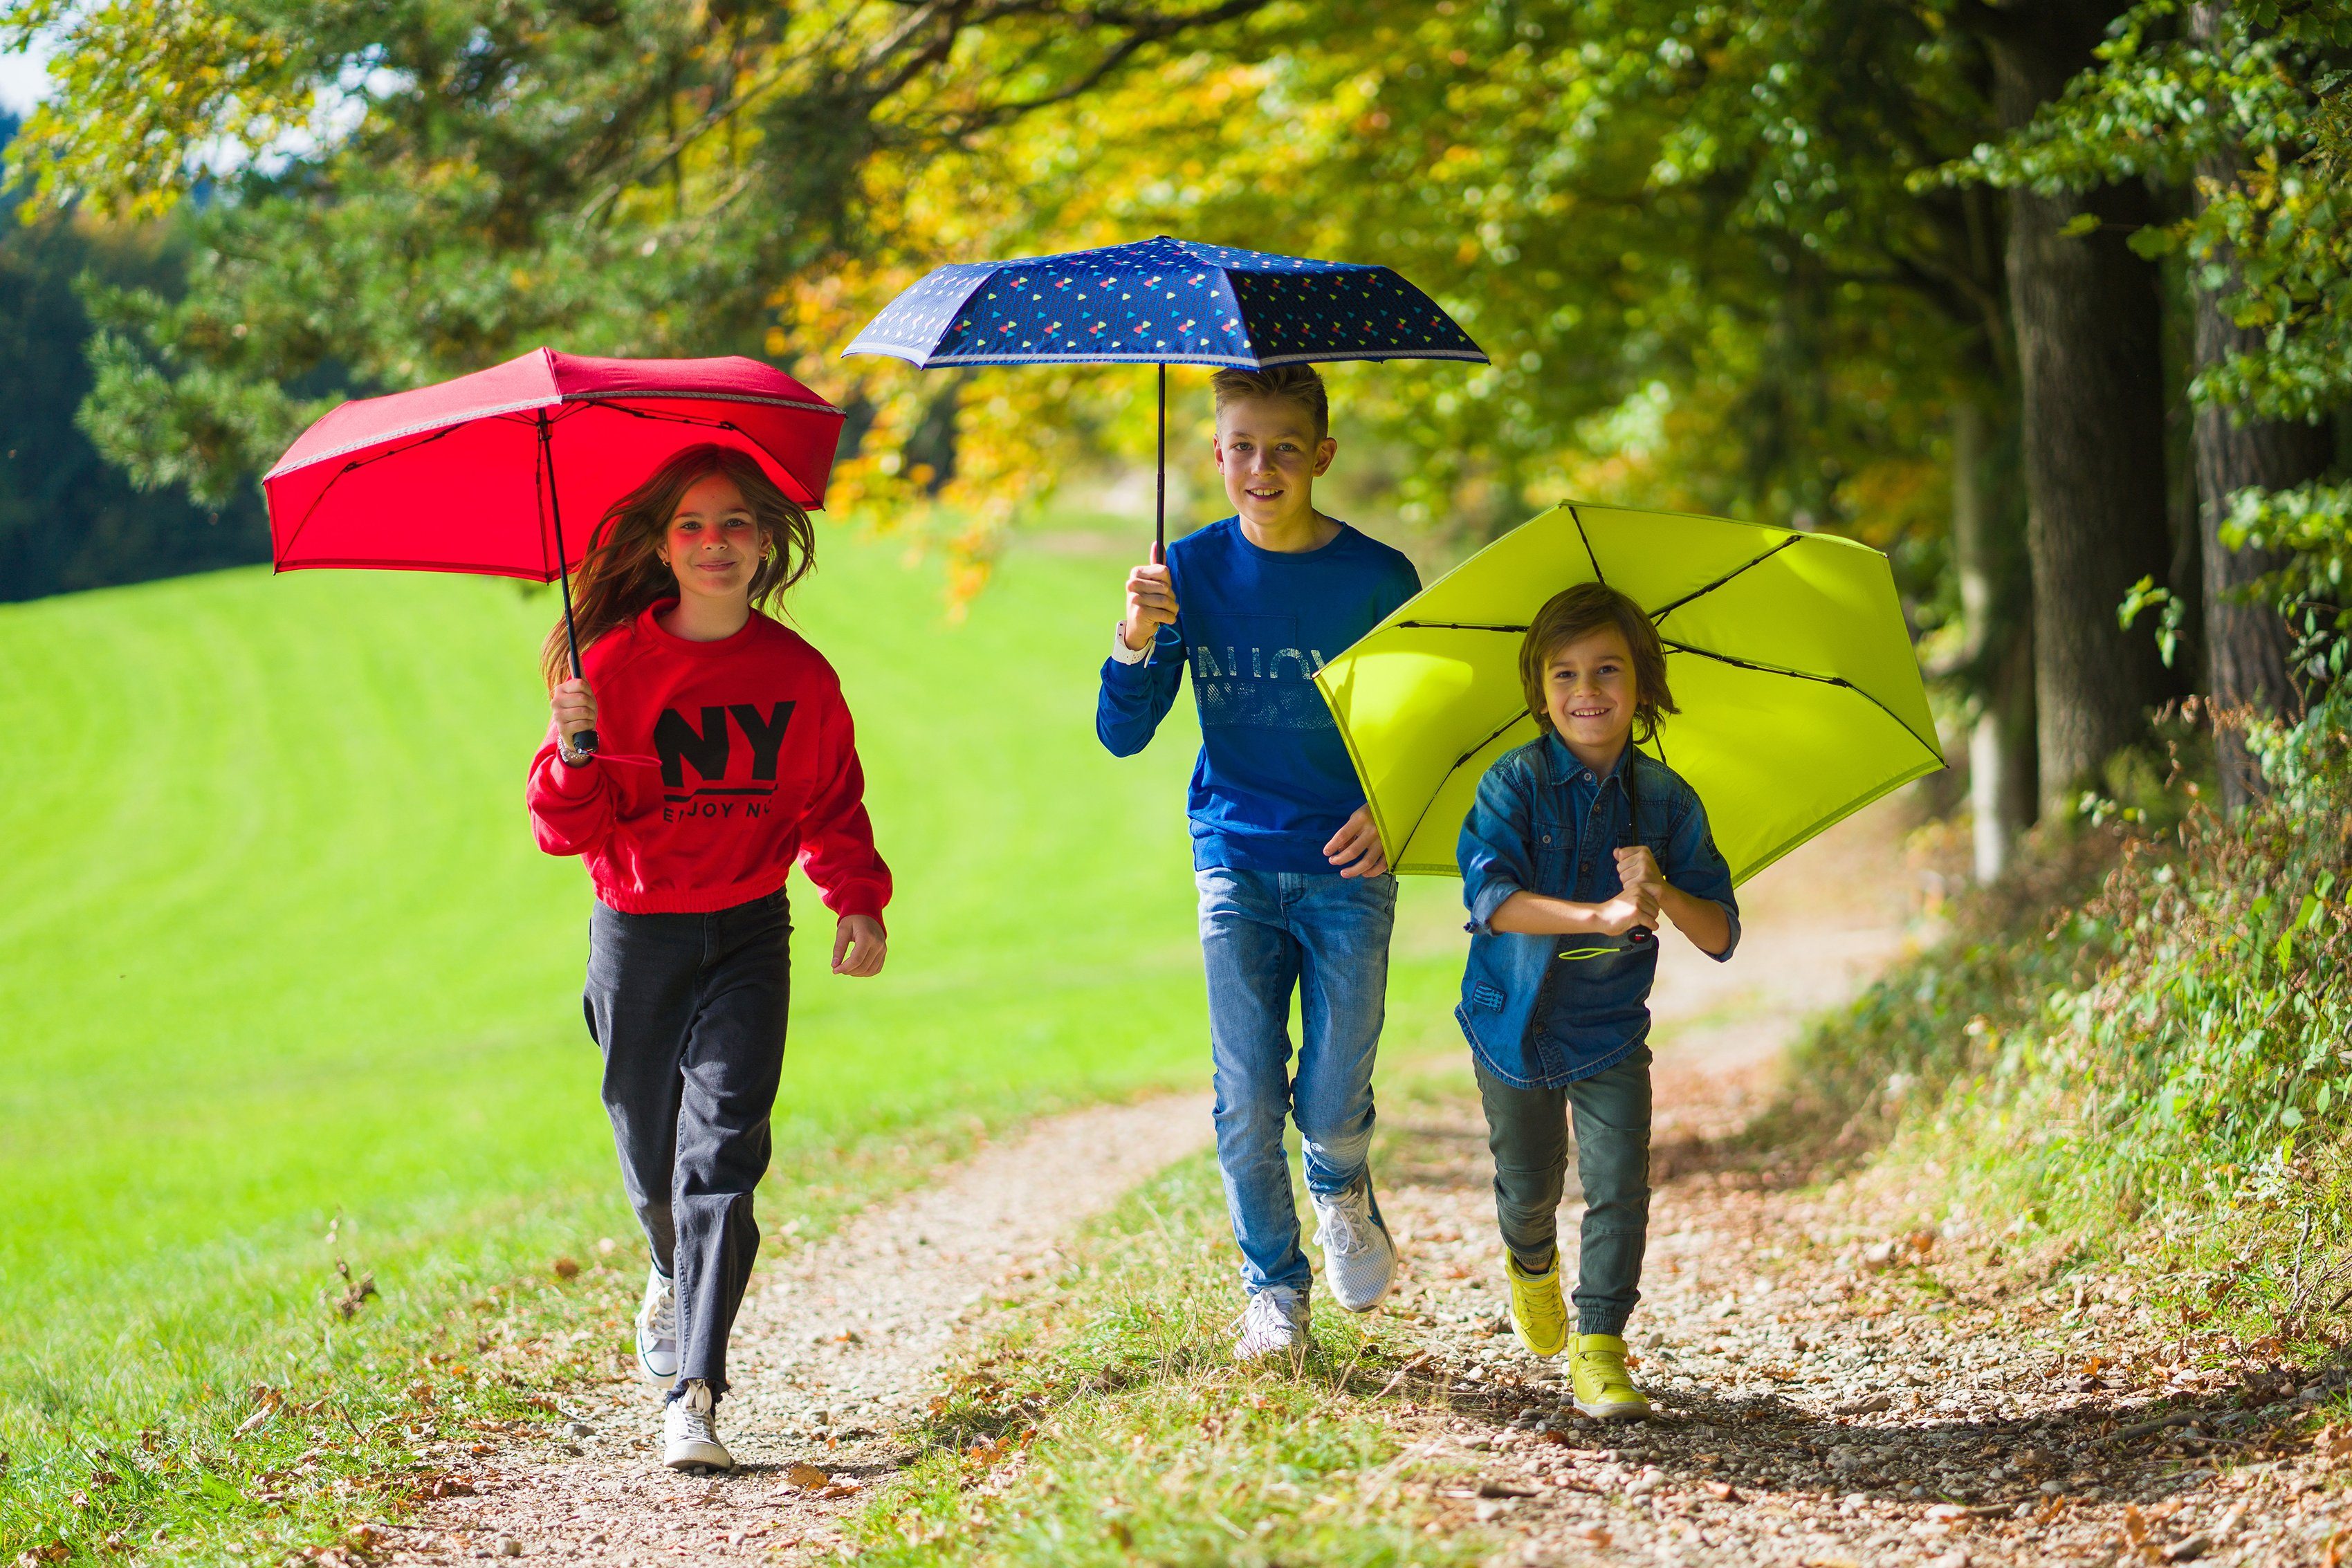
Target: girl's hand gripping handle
{"x": 574, "y": 707}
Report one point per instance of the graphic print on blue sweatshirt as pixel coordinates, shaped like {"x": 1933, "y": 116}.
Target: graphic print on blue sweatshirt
{"x": 1273, "y": 782}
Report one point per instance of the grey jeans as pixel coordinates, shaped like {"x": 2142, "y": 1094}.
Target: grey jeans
{"x": 1527, "y": 1131}
{"x": 689, "y": 1010}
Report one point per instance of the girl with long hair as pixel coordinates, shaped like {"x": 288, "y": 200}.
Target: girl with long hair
{"x": 725, "y": 755}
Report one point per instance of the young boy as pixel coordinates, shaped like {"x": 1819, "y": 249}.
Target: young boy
{"x": 1295, "y": 887}
{"x": 1575, "y": 846}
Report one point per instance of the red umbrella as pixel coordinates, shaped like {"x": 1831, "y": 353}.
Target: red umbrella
{"x": 464, "y": 476}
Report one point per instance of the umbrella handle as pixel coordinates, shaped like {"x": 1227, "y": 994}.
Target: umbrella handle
{"x": 584, "y": 742}
{"x": 1638, "y": 935}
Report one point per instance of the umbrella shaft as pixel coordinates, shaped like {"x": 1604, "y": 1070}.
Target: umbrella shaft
{"x": 1160, "y": 509}
{"x": 562, "y": 564}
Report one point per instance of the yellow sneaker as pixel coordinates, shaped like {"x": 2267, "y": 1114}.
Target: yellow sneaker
{"x": 1538, "y": 1316}
{"x": 1602, "y": 1388}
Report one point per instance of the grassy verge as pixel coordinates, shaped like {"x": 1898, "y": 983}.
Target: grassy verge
{"x": 1105, "y": 1423}
{"x": 2136, "y": 1056}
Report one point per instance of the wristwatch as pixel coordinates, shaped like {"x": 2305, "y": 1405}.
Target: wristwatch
{"x": 573, "y": 758}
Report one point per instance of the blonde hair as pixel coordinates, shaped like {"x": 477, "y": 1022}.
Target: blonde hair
{"x": 624, "y": 572}
{"x": 1579, "y": 612}
{"x": 1299, "y": 385}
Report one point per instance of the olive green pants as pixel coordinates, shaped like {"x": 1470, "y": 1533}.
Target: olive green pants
{"x": 1527, "y": 1131}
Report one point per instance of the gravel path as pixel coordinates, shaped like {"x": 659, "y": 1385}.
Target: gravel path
{"x": 836, "y": 1346}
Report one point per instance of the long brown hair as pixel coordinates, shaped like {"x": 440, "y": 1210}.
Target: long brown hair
{"x": 1578, "y": 612}
{"x": 624, "y": 571}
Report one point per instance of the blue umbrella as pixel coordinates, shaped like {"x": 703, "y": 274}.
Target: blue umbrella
{"x": 1166, "y": 302}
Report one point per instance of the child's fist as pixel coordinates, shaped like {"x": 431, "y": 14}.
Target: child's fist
{"x": 575, "y": 708}
{"x": 1151, "y": 602}
{"x": 859, "y": 946}
{"x": 1637, "y": 867}
{"x": 1634, "y": 906}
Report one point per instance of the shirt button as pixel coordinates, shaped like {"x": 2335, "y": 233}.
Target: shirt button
{"x": 1546, "y": 838}
{"x": 1588, "y": 776}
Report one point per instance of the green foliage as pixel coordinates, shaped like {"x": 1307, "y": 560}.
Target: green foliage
{"x": 401, "y": 192}
{"x": 2254, "y": 113}
{"x": 67, "y": 520}
{"x": 2157, "y": 1048}
{"x": 2252, "y": 107}
{"x": 2311, "y": 527}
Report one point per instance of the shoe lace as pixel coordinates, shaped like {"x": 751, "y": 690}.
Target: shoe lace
{"x": 663, "y": 1318}
{"x": 696, "y": 1416}
{"x": 1608, "y": 1367}
{"x": 1539, "y": 1307}
{"x": 1270, "y": 1312}
{"x": 1341, "y": 1232}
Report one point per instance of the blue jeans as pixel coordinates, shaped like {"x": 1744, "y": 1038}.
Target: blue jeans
{"x": 1263, "y": 934}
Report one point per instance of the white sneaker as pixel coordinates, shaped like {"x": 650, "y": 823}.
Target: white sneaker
{"x": 690, "y": 1432}
{"x": 1274, "y": 1323}
{"x": 657, "y": 1329}
{"x": 1358, "y": 1259}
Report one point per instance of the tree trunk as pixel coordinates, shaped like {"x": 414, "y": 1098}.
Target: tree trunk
{"x": 2090, "y": 364}
{"x": 1996, "y": 610}
{"x": 2246, "y": 646}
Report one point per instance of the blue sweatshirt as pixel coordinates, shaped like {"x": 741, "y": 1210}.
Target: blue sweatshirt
{"x": 1273, "y": 782}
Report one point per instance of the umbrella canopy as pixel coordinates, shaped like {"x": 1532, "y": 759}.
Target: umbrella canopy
{"x": 1163, "y": 301}
{"x": 1802, "y": 700}
{"x": 463, "y": 476}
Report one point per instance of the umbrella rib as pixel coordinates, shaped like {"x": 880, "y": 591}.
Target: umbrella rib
{"x": 1658, "y": 615}
{"x": 726, "y": 425}
{"x": 1578, "y": 518}
{"x": 819, "y": 406}
{"x": 1933, "y": 750}
{"x": 1458, "y": 626}
{"x": 1501, "y": 729}
{"x": 358, "y": 463}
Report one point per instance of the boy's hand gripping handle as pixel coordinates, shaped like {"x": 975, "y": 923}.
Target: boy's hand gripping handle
{"x": 1640, "y": 935}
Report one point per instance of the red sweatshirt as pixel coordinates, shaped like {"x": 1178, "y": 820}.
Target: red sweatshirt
{"x": 720, "y": 763}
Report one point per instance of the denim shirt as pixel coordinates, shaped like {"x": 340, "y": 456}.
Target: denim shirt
{"x": 1544, "y": 823}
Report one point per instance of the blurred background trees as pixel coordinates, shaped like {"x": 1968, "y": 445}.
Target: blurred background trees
{"x": 2048, "y": 301}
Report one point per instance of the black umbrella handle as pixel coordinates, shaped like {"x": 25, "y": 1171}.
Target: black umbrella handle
{"x": 1640, "y": 935}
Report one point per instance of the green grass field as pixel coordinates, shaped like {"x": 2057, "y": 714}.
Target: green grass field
{"x": 276, "y": 952}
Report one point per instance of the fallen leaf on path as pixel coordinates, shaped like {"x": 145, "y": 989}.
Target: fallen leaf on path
{"x": 806, "y": 1477}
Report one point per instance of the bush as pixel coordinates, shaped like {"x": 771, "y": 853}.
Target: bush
{"x": 2168, "y": 1044}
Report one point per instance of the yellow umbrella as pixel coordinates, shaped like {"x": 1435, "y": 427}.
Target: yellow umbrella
{"x": 1802, "y": 700}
